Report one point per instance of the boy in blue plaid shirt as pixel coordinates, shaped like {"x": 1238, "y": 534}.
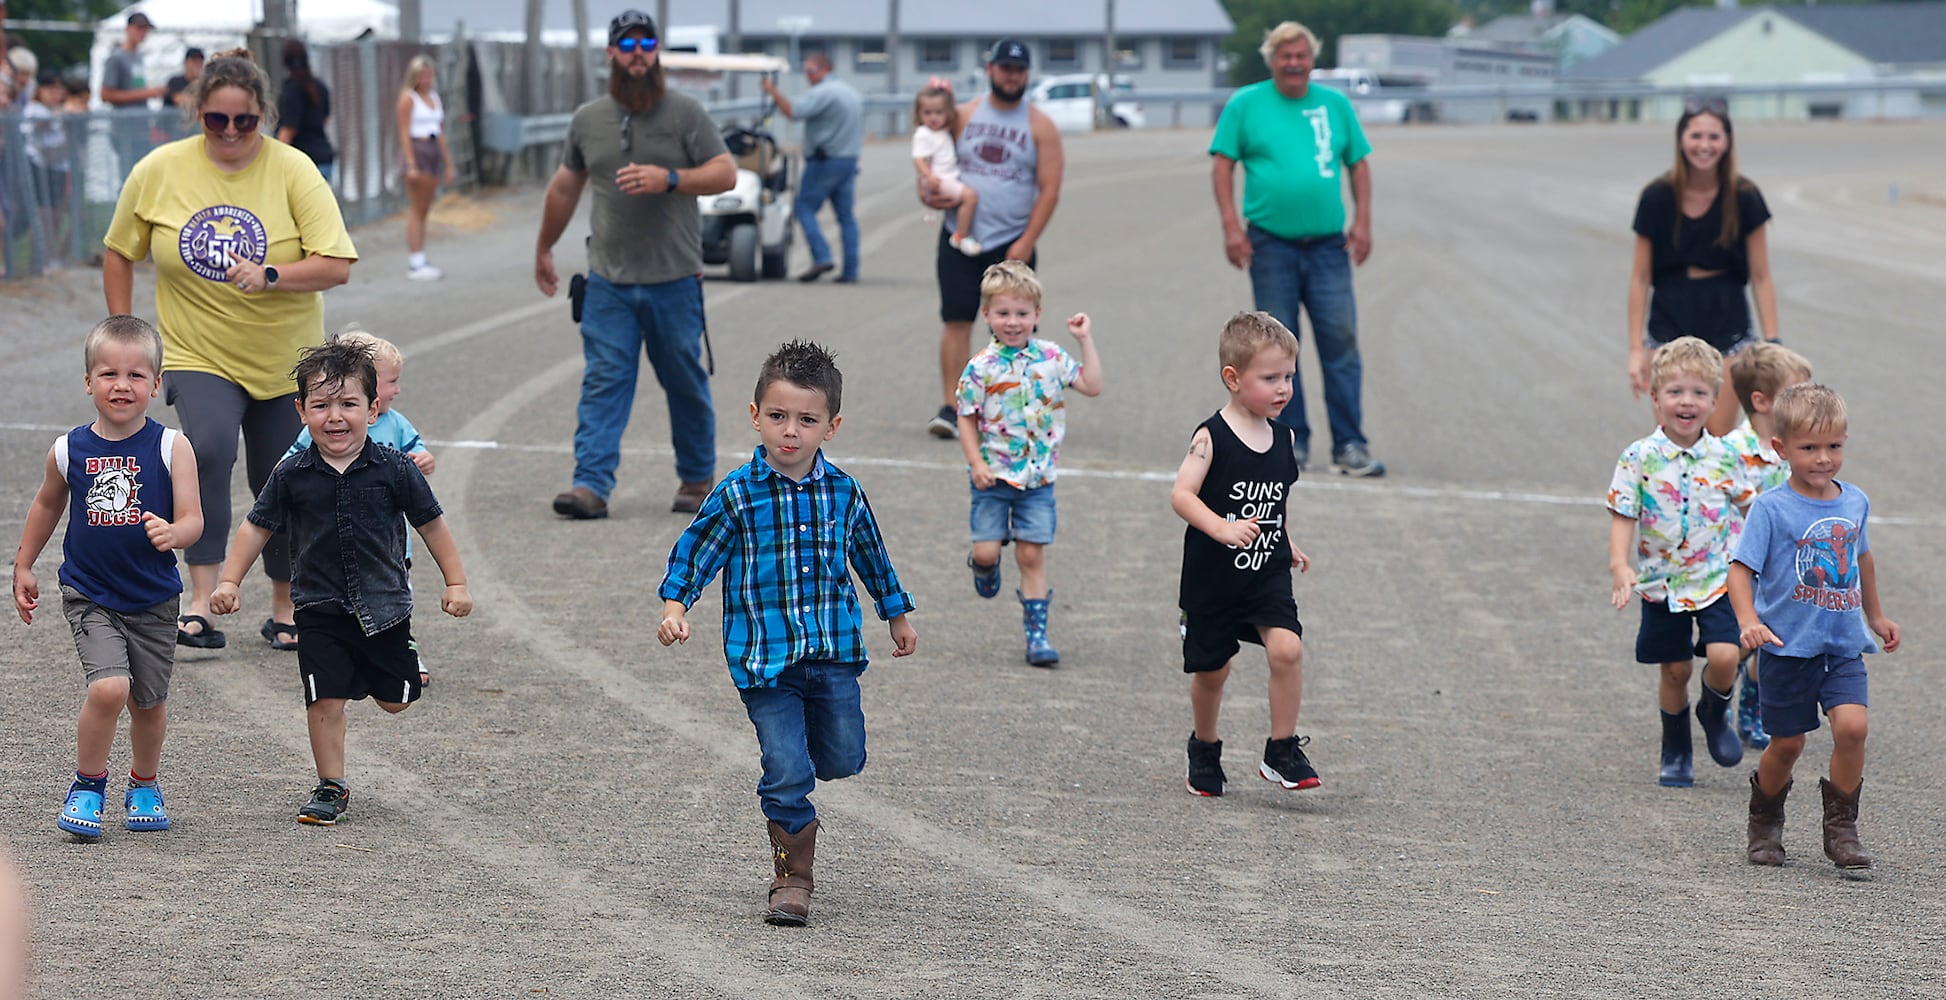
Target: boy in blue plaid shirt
{"x": 781, "y": 530}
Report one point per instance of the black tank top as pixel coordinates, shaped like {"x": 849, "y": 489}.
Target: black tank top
{"x": 1241, "y": 484}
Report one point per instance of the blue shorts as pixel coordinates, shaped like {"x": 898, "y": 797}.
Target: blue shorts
{"x": 1670, "y": 637}
{"x": 1005, "y": 512}
{"x": 1790, "y": 689}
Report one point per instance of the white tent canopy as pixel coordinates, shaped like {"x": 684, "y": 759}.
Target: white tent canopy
{"x": 214, "y": 25}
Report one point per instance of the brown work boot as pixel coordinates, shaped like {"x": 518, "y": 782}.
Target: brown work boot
{"x": 791, "y": 856}
{"x": 1766, "y": 824}
{"x": 690, "y": 496}
{"x": 581, "y": 504}
{"x": 1841, "y": 827}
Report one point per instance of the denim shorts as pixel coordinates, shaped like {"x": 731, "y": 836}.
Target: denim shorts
{"x": 1790, "y": 689}
{"x": 1669, "y": 637}
{"x": 1005, "y": 512}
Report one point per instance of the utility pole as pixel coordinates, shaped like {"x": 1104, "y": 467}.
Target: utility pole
{"x": 530, "y": 57}
{"x": 1106, "y": 85}
{"x": 892, "y": 59}
{"x": 411, "y": 21}
{"x": 662, "y": 17}
{"x": 584, "y": 72}
{"x": 734, "y": 41}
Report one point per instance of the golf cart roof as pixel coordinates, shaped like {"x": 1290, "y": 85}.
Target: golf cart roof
{"x": 692, "y": 62}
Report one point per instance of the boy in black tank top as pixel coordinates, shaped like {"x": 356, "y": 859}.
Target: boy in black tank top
{"x": 1234, "y": 490}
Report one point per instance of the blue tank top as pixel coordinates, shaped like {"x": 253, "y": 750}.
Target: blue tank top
{"x": 998, "y": 159}
{"x": 107, "y": 556}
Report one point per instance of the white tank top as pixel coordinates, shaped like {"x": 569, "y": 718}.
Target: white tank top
{"x": 427, "y": 119}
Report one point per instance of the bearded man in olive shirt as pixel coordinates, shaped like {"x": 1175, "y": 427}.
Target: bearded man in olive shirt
{"x": 648, "y": 152}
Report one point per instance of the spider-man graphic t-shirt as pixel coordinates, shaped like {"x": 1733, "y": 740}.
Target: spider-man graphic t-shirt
{"x": 1805, "y": 553}
{"x": 107, "y": 555}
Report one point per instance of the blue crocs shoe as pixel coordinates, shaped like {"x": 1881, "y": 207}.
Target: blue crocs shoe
{"x": 81, "y": 815}
{"x": 986, "y": 579}
{"x": 143, "y": 804}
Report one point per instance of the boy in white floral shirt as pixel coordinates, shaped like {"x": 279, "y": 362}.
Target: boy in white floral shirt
{"x": 1012, "y": 415}
{"x": 1686, "y": 493}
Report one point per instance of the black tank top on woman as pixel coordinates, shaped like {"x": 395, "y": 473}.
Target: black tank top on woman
{"x": 1241, "y": 484}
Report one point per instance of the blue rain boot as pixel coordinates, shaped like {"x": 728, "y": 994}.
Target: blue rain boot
{"x": 1678, "y": 753}
{"x": 1750, "y": 720}
{"x": 1033, "y": 620}
{"x": 1713, "y": 711}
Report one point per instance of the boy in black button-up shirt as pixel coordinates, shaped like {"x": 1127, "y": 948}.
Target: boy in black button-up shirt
{"x": 341, "y": 501}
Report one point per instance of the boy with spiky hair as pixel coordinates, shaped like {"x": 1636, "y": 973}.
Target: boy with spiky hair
{"x": 781, "y": 530}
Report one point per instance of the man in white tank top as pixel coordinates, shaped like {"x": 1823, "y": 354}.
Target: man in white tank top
{"x": 1010, "y": 153}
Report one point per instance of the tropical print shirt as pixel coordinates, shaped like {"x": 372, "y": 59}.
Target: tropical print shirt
{"x": 1017, "y": 396}
{"x": 1765, "y": 469}
{"x": 1687, "y": 503}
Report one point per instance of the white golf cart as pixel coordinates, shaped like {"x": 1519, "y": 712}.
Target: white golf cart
{"x": 749, "y": 226}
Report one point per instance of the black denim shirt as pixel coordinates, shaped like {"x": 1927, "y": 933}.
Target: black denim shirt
{"x": 347, "y": 536}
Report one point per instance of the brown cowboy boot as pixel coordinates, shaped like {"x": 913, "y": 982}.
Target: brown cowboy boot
{"x": 1841, "y": 827}
{"x": 1767, "y": 824}
{"x": 792, "y": 855}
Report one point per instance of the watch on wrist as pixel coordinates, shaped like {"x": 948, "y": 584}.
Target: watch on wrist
{"x": 270, "y": 277}
{"x": 674, "y": 179}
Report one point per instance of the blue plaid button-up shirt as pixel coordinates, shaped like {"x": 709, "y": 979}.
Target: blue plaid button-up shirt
{"x": 782, "y": 547}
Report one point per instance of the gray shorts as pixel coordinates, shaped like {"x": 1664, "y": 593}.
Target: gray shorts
{"x": 140, "y": 645}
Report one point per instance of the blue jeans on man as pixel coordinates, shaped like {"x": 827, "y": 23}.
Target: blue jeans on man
{"x": 1315, "y": 274}
{"x": 620, "y": 323}
{"x": 833, "y": 179}
{"x": 810, "y": 728}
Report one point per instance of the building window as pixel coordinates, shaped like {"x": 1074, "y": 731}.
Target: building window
{"x": 1128, "y": 54}
{"x": 753, "y": 46}
{"x": 1063, "y": 53}
{"x": 1182, "y": 53}
{"x": 807, "y": 45}
{"x": 869, "y": 56}
{"x": 938, "y": 53}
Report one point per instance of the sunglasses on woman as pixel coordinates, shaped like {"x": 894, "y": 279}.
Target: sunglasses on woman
{"x": 631, "y": 44}
{"x": 1713, "y": 105}
{"x": 217, "y": 121}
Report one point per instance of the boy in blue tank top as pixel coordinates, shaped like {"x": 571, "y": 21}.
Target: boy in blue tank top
{"x": 1234, "y": 489}
{"x": 1805, "y": 589}
{"x": 129, "y": 486}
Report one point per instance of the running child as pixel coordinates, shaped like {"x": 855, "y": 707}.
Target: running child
{"x": 1757, "y": 374}
{"x": 345, "y": 502}
{"x": 1012, "y": 416}
{"x": 1685, "y": 491}
{"x": 1234, "y": 488}
{"x": 129, "y": 487}
{"x": 1805, "y": 588}
{"x": 391, "y": 429}
{"x": 781, "y": 530}
{"x": 934, "y": 116}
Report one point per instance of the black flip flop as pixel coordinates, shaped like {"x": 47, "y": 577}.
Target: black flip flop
{"x": 208, "y": 638}
{"x": 270, "y": 630}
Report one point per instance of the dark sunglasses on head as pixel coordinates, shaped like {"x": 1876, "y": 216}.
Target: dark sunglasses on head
{"x": 631, "y": 44}
{"x": 1713, "y": 105}
{"x": 217, "y": 121}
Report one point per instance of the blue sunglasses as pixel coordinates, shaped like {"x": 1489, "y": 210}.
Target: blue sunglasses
{"x": 631, "y": 44}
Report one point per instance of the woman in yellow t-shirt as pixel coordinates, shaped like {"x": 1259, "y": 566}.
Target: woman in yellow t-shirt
{"x": 246, "y": 236}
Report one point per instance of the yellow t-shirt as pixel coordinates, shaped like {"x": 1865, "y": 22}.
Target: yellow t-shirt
{"x": 191, "y": 216}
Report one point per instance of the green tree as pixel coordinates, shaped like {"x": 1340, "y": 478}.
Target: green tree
{"x": 1328, "y": 19}
{"x": 61, "y": 50}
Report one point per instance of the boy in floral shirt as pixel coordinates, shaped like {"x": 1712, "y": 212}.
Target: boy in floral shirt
{"x": 1685, "y": 491}
{"x": 1012, "y": 416}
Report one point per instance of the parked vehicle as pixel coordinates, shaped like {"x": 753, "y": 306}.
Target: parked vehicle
{"x": 1360, "y": 85}
{"x": 1070, "y": 101}
{"x": 749, "y": 226}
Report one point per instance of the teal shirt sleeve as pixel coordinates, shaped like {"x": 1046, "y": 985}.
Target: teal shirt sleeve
{"x": 1356, "y": 145}
{"x": 303, "y": 441}
{"x": 1228, "y": 140}
{"x": 409, "y": 439}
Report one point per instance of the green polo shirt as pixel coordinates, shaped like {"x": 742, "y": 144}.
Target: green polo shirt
{"x": 1294, "y": 155}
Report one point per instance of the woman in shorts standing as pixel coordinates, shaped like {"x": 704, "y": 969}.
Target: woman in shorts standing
{"x": 422, "y": 134}
{"x": 1700, "y": 240}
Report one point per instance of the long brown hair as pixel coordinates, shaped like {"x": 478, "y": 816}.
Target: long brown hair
{"x": 297, "y": 62}
{"x": 1728, "y": 183}
{"x": 234, "y": 68}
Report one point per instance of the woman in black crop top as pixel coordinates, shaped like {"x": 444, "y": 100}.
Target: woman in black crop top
{"x": 1699, "y": 240}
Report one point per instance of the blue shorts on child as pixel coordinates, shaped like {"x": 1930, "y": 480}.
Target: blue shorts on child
{"x": 1676, "y": 636}
{"x": 1005, "y": 512}
{"x": 1791, "y": 689}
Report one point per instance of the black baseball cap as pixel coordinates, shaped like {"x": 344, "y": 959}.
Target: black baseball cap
{"x": 628, "y": 21}
{"x": 140, "y": 20}
{"x": 1010, "y": 52}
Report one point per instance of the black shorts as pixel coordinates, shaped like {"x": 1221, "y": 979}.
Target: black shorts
{"x": 1668, "y": 636}
{"x": 1210, "y": 640}
{"x": 336, "y": 659}
{"x": 959, "y": 278}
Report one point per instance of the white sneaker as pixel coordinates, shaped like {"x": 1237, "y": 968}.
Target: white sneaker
{"x": 424, "y": 272}
{"x": 968, "y": 246}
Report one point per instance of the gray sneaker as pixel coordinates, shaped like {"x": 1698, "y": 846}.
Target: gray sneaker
{"x": 1355, "y": 460}
{"x": 944, "y": 424}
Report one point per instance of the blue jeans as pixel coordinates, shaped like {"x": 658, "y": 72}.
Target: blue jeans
{"x": 810, "y": 727}
{"x": 1316, "y": 275}
{"x": 618, "y": 324}
{"x": 834, "y": 179}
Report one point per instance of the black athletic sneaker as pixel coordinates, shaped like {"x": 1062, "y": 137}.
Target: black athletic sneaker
{"x": 1285, "y": 763}
{"x": 944, "y": 424}
{"x": 1205, "y": 767}
{"x": 329, "y": 801}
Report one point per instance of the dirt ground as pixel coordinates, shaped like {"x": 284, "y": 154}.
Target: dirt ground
{"x": 571, "y": 810}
